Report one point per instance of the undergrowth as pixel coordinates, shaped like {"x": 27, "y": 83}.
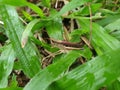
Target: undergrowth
{"x": 59, "y": 44}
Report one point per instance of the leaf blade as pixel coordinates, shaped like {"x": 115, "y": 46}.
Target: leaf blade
{"x": 100, "y": 38}
{"x": 91, "y": 75}
{"x": 23, "y": 3}
{"x": 6, "y": 64}
{"x": 51, "y": 73}
{"x": 27, "y": 56}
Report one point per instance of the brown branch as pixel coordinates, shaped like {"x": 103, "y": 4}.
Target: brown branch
{"x": 68, "y": 44}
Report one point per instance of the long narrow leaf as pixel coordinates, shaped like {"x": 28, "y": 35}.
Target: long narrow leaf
{"x": 27, "y": 31}
{"x": 114, "y": 29}
{"x": 100, "y": 71}
{"x": 113, "y": 26}
{"x": 14, "y": 2}
{"x": 109, "y": 19}
{"x": 101, "y": 41}
{"x": 72, "y": 5}
{"x": 14, "y": 29}
{"x": 6, "y": 65}
{"x": 45, "y": 77}
{"x": 23, "y": 3}
{"x": 35, "y": 9}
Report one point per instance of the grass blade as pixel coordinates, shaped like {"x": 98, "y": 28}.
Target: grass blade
{"x": 27, "y": 31}
{"x": 23, "y": 3}
{"x": 6, "y": 65}
{"x": 13, "y": 2}
{"x": 35, "y": 9}
{"x": 91, "y": 75}
{"x": 101, "y": 40}
{"x": 14, "y": 29}
{"x": 113, "y": 26}
{"x": 45, "y": 77}
{"x": 72, "y": 5}
{"x": 108, "y": 20}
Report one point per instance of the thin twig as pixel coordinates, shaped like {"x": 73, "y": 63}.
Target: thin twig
{"x": 86, "y": 42}
{"x": 90, "y": 11}
{"x": 56, "y": 4}
{"x": 23, "y": 20}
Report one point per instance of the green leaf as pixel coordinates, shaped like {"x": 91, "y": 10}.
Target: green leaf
{"x": 46, "y": 3}
{"x": 27, "y": 15}
{"x": 94, "y": 8}
{"x": 114, "y": 86}
{"x": 76, "y": 34}
{"x": 6, "y": 65}
{"x": 27, "y": 31}
{"x": 23, "y": 3}
{"x": 71, "y": 5}
{"x": 101, "y": 40}
{"x": 108, "y": 19}
{"x": 45, "y": 45}
{"x": 17, "y": 66}
{"x": 86, "y": 53}
{"x": 35, "y": 9}
{"x": 12, "y": 88}
{"x": 14, "y": 2}
{"x": 45, "y": 77}
{"x": 92, "y": 75}
{"x": 55, "y": 29}
{"x": 113, "y": 26}
{"x": 116, "y": 34}
{"x": 27, "y": 56}
{"x": 113, "y": 29}
{"x": 107, "y": 11}
{"x": 13, "y": 82}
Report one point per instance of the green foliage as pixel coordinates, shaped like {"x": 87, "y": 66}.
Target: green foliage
{"x": 101, "y": 44}
{"x": 23, "y": 3}
{"x": 56, "y": 30}
{"x": 72, "y": 5}
{"x": 52, "y": 72}
{"x": 27, "y": 31}
{"x": 91, "y": 76}
{"x": 114, "y": 86}
{"x": 85, "y": 10}
{"x": 28, "y": 58}
{"x": 71, "y": 47}
{"x": 46, "y": 3}
{"x": 6, "y": 64}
